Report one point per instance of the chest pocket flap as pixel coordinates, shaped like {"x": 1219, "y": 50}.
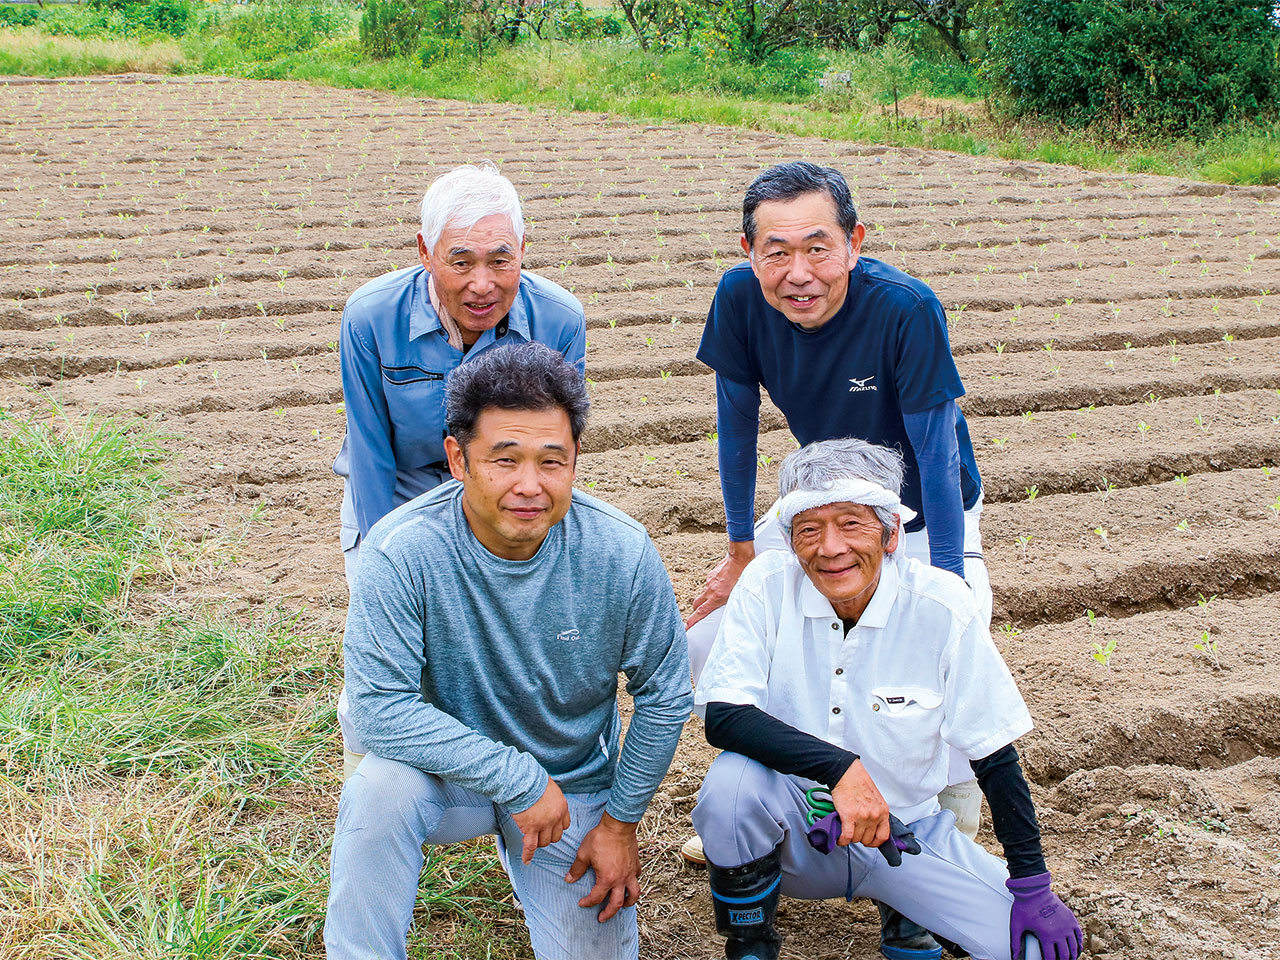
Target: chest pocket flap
{"x": 409, "y": 374}
{"x": 898, "y": 700}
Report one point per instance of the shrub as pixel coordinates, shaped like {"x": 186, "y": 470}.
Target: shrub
{"x": 276, "y": 27}
{"x": 389, "y": 28}
{"x": 1136, "y": 66}
{"x": 17, "y": 16}
{"x": 435, "y": 49}
{"x": 161, "y": 16}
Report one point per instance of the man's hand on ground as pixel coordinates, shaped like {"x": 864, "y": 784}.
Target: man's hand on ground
{"x": 720, "y": 581}
{"x": 863, "y": 813}
{"x": 612, "y": 852}
{"x": 544, "y": 822}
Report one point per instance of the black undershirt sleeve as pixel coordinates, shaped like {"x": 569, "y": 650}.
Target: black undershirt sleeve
{"x": 1013, "y": 816}
{"x": 779, "y": 746}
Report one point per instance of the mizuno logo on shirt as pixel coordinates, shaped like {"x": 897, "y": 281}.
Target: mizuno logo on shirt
{"x": 862, "y": 386}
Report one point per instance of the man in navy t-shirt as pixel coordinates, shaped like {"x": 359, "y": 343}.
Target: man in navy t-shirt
{"x": 846, "y": 347}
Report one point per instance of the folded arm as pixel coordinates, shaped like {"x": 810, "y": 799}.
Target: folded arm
{"x": 933, "y": 440}
{"x": 370, "y": 458}
{"x": 656, "y": 663}
{"x": 1013, "y": 815}
{"x": 383, "y": 654}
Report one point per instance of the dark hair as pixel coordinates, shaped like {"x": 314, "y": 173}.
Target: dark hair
{"x": 519, "y": 376}
{"x": 787, "y": 181}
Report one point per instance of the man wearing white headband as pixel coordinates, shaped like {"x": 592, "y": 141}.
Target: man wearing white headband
{"x": 842, "y": 677}
{"x": 847, "y": 346}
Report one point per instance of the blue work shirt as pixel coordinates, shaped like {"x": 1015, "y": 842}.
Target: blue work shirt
{"x": 395, "y": 357}
{"x": 883, "y": 356}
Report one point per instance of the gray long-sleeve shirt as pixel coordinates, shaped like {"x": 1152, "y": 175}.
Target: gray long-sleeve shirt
{"x": 495, "y": 674}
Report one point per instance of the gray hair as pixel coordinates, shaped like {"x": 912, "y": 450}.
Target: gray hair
{"x": 464, "y": 196}
{"x": 816, "y": 466}
{"x": 786, "y": 181}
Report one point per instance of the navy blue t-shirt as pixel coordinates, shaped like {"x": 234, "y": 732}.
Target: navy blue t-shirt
{"x": 885, "y": 353}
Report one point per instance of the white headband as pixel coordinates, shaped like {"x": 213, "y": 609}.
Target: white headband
{"x": 849, "y": 490}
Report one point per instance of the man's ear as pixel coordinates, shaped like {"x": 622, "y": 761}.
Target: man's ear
{"x": 892, "y": 545}
{"x": 746, "y": 248}
{"x": 456, "y": 457}
{"x": 855, "y": 239}
{"x": 423, "y": 253}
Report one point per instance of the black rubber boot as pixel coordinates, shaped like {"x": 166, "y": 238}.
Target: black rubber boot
{"x": 746, "y": 901}
{"x": 903, "y": 939}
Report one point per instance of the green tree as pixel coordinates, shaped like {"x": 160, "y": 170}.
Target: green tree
{"x": 1137, "y": 66}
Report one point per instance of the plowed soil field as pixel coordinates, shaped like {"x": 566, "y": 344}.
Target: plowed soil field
{"x": 182, "y": 250}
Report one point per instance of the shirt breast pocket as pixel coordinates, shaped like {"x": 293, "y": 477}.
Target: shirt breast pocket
{"x": 908, "y": 721}
{"x": 415, "y": 404}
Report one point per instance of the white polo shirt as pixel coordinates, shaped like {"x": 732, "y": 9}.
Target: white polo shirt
{"x": 918, "y": 672}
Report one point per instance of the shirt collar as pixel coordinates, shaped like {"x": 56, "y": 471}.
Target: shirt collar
{"x": 423, "y": 318}
{"x": 814, "y": 604}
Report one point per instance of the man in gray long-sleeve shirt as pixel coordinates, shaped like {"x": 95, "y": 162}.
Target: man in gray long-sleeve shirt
{"x": 488, "y": 625}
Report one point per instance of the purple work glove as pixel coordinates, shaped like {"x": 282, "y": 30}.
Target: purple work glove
{"x": 1038, "y": 911}
{"x": 825, "y": 832}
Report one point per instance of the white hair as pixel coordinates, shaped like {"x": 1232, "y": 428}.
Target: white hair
{"x": 825, "y": 463}
{"x": 466, "y": 195}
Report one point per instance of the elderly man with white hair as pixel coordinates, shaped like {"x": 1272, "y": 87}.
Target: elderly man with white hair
{"x": 406, "y": 331}
{"x": 841, "y": 677}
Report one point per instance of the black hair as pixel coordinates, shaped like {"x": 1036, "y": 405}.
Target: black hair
{"x": 519, "y": 376}
{"x": 787, "y": 181}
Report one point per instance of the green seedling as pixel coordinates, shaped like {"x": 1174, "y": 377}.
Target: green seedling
{"x": 1182, "y": 479}
{"x": 1102, "y": 533}
{"x": 1092, "y": 617}
{"x": 665, "y": 375}
{"x": 1009, "y": 631}
{"x": 999, "y": 442}
{"x": 1032, "y": 492}
{"x": 1106, "y": 488}
{"x": 1024, "y": 542}
{"x": 1182, "y": 526}
{"x": 1208, "y": 645}
{"x": 764, "y": 460}
{"x": 1102, "y": 652}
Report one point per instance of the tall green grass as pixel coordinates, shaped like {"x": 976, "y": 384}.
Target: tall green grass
{"x": 168, "y": 773}
{"x": 77, "y": 526}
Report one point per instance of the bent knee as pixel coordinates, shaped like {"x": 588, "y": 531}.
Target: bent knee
{"x": 386, "y": 796}
{"x": 740, "y": 798}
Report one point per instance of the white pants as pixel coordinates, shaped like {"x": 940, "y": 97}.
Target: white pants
{"x": 352, "y": 748}
{"x": 768, "y": 535}
{"x": 390, "y": 809}
{"x": 953, "y": 887}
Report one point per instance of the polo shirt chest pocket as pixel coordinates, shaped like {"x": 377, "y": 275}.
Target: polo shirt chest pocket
{"x": 907, "y": 721}
{"x": 415, "y": 404}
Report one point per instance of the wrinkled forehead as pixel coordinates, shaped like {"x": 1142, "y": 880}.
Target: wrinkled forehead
{"x": 486, "y": 234}
{"x": 807, "y": 216}
{"x": 829, "y": 512}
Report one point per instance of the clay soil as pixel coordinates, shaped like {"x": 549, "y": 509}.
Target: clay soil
{"x": 182, "y": 250}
